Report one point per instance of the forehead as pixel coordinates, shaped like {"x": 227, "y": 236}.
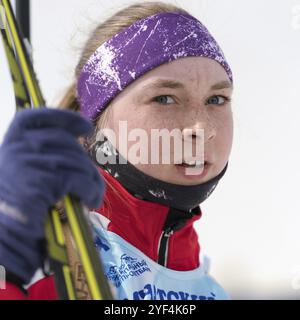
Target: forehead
{"x": 190, "y": 69}
{"x": 195, "y": 75}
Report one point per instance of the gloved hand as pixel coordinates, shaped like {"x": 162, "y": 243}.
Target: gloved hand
{"x": 40, "y": 162}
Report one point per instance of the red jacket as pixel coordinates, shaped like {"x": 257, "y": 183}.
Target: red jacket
{"x": 142, "y": 224}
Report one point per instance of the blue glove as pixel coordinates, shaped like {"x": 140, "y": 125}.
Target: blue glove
{"x": 40, "y": 162}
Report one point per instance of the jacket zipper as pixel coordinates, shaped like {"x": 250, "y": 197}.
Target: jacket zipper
{"x": 169, "y": 229}
{"x": 163, "y": 246}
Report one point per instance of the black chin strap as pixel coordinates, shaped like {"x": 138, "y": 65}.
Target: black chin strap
{"x": 184, "y": 198}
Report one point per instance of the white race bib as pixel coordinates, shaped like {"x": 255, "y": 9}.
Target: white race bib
{"x": 135, "y": 276}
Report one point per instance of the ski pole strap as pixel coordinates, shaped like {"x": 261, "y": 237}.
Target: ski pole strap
{"x": 78, "y": 275}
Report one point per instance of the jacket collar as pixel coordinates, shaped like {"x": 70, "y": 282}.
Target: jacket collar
{"x": 152, "y": 227}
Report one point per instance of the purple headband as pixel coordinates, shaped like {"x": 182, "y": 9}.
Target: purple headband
{"x": 141, "y": 47}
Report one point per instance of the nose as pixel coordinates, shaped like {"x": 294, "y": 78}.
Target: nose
{"x": 199, "y": 127}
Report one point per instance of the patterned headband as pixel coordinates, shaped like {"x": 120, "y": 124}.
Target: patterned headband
{"x": 141, "y": 47}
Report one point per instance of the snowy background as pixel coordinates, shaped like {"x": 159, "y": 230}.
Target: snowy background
{"x": 251, "y": 224}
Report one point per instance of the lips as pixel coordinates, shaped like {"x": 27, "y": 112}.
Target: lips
{"x": 193, "y": 161}
{"x": 193, "y": 164}
{"x": 193, "y": 172}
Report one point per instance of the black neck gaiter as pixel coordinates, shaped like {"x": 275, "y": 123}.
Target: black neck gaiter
{"x": 143, "y": 186}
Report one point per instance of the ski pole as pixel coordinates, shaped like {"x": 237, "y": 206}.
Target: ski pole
{"x": 29, "y": 95}
{"x": 23, "y": 17}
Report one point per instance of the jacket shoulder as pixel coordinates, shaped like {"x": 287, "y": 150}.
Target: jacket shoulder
{"x": 43, "y": 289}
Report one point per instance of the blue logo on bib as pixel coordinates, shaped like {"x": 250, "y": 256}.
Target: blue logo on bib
{"x": 130, "y": 267}
{"x": 100, "y": 244}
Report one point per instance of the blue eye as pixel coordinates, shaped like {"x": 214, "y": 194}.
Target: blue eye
{"x": 218, "y": 100}
{"x": 163, "y": 99}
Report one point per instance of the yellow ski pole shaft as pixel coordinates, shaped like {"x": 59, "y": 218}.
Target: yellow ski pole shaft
{"x": 96, "y": 280}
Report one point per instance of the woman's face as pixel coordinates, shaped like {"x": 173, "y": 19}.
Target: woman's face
{"x": 187, "y": 94}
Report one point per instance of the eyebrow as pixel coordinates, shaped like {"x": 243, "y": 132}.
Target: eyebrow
{"x": 171, "y": 84}
{"x": 222, "y": 85}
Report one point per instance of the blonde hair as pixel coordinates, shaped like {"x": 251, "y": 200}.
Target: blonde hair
{"x": 103, "y": 32}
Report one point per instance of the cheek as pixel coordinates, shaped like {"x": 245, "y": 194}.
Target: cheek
{"x": 146, "y": 119}
{"x": 134, "y": 125}
{"x": 224, "y": 136}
